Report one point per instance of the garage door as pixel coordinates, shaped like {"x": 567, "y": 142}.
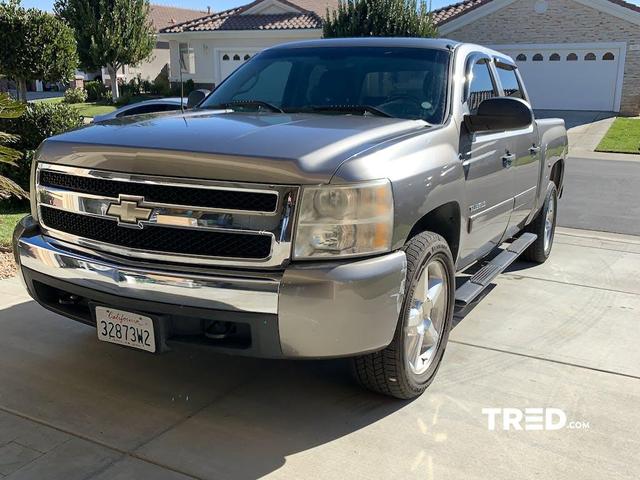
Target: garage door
{"x": 578, "y": 77}
{"x": 230, "y": 60}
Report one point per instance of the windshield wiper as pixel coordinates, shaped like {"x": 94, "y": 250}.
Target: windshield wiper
{"x": 362, "y": 109}
{"x": 247, "y": 103}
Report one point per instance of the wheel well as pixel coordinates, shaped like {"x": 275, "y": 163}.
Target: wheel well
{"x": 557, "y": 174}
{"x": 445, "y": 221}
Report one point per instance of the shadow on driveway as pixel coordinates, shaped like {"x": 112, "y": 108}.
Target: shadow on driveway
{"x": 575, "y": 118}
{"x": 196, "y": 411}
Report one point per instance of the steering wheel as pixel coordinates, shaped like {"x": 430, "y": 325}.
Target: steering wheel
{"x": 403, "y": 104}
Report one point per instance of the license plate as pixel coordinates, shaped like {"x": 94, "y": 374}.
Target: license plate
{"x": 125, "y": 328}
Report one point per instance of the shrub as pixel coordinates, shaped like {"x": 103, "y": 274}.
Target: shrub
{"x": 160, "y": 85}
{"x": 96, "y": 91}
{"x": 146, "y": 86}
{"x": 75, "y": 95}
{"x": 40, "y": 120}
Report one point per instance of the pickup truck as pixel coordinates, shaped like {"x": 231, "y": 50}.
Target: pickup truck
{"x": 320, "y": 203}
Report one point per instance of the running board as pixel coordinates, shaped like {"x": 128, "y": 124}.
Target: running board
{"x": 470, "y": 290}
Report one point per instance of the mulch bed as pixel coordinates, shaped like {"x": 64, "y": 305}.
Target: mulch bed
{"x": 7, "y": 264}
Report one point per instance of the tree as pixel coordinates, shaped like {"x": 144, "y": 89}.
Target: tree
{"x": 380, "y": 18}
{"x": 9, "y": 109}
{"x": 35, "y": 46}
{"x": 110, "y": 33}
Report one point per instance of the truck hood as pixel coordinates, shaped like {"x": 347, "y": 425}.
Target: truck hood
{"x": 223, "y": 145}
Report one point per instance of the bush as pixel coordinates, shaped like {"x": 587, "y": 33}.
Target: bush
{"x": 40, "y": 120}
{"x": 75, "y": 95}
{"x": 160, "y": 85}
{"x": 96, "y": 91}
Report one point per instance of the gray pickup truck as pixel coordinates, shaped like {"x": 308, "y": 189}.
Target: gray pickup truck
{"x": 318, "y": 204}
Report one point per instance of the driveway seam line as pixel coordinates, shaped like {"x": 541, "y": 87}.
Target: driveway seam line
{"x": 613, "y": 290}
{"x": 94, "y": 441}
{"x": 603, "y": 239}
{"x": 543, "y": 359}
{"x": 599, "y": 248}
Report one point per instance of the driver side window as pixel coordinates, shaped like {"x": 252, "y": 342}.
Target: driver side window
{"x": 481, "y": 85}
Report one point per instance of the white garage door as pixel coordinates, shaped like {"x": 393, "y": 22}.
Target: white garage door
{"x": 230, "y": 60}
{"x": 578, "y": 77}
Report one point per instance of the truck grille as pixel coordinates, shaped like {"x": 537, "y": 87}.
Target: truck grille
{"x": 167, "y": 219}
{"x": 166, "y": 239}
{"x": 175, "y": 195}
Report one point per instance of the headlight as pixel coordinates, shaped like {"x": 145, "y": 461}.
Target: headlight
{"x": 344, "y": 220}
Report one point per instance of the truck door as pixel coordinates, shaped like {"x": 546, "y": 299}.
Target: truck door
{"x": 523, "y": 145}
{"x": 489, "y": 198}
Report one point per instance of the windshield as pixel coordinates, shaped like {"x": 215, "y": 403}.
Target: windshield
{"x": 407, "y": 83}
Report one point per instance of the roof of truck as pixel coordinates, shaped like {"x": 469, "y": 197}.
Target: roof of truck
{"x": 438, "y": 43}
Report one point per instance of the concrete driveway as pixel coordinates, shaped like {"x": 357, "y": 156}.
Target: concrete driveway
{"x": 564, "y": 335}
{"x": 585, "y": 128}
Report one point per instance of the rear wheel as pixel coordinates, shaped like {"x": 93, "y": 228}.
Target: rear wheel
{"x": 409, "y": 364}
{"x": 544, "y": 226}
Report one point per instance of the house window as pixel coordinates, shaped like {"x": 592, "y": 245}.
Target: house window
{"x": 590, "y": 57}
{"x": 572, "y": 57}
{"x": 236, "y": 57}
{"x": 187, "y": 58}
{"x": 555, "y": 57}
{"x": 226, "y": 58}
{"x": 521, "y": 58}
{"x": 538, "y": 57}
{"x": 608, "y": 57}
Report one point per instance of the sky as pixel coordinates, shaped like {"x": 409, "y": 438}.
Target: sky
{"x": 216, "y": 5}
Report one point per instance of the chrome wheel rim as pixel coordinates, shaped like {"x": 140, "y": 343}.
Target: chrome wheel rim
{"x": 548, "y": 224}
{"x": 425, "y": 324}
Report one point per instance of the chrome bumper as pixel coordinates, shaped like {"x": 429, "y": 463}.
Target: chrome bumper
{"x": 323, "y": 309}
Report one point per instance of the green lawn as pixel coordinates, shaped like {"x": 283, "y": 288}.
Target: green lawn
{"x": 622, "y": 137}
{"x": 8, "y": 222}
{"x": 89, "y": 109}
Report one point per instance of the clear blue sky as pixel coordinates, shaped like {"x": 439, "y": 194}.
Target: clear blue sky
{"x": 215, "y": 5}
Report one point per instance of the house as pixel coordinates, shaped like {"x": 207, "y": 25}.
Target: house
{"x": 218, "y": 43}
{"x": 573, "y": 54}
{"x": 161, "y": 17}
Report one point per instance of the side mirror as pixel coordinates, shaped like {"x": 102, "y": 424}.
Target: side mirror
{"x": 196, "y": 97}
{"x": 500, "y": 113}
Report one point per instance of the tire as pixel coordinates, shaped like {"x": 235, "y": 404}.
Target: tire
{"x": 542, "y": 225}
{"x": 393, "y": 371}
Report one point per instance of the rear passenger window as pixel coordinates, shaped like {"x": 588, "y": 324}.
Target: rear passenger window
{"x": 509, "y": 81}
{"x": 481, "y": 86}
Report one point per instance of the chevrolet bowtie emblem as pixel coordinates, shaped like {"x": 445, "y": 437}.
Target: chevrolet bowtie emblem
{"x": 128, "y": 212}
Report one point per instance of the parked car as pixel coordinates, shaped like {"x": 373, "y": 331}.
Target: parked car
{"x": 318, "y": 204}
{"x": 154, "y": 106}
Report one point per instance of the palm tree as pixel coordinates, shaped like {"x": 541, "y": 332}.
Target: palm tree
{"x": 9, "y": 108}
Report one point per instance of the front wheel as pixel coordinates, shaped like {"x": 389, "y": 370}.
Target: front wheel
{"x": 409, "y": 364}
{"x": 544, "y": 226}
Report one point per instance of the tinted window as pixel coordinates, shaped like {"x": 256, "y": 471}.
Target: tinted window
{"x": 267, "y": 85}
{"x": 509, "y": 82}
{"x": 481, "y": 85}
{"x": 401, "y": 82}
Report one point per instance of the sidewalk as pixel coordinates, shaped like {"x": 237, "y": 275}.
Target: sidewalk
{"x": 562, "y": 335}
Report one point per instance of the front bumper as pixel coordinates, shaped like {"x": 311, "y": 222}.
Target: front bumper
{"x": 311, "y": 310}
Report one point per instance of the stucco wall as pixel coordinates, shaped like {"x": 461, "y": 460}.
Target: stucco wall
{"x": 206, "y": 50}
{"x": 565, "y": 21}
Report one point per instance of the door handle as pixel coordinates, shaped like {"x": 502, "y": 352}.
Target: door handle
{"x": 534, "y": 149}
{"x": 507, "y": 160}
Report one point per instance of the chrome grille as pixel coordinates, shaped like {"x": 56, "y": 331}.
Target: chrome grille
{"x": 166, "y": 218}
